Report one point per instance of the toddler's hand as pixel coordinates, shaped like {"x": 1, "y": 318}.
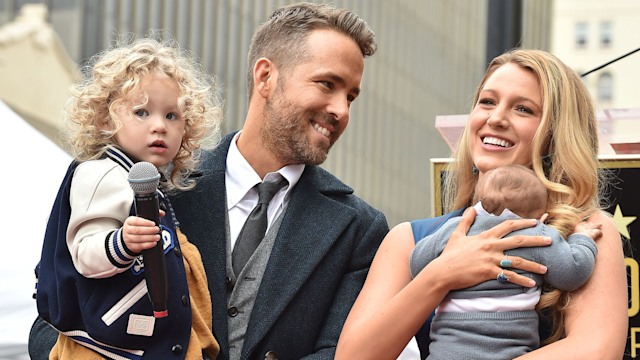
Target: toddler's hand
{"x": 140, "y": 234}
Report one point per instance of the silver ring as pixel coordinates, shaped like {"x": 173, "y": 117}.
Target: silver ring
{"x": 502, "y": 278}
{"x": 505, "y": 263}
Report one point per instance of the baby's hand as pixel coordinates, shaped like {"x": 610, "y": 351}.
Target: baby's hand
{"x": 544, "y": 217}
{"x": 140, "y": 234}
{"x": 590, "y": 229}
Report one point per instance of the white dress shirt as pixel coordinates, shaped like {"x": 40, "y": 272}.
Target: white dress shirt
{"x": 242, "y": 196}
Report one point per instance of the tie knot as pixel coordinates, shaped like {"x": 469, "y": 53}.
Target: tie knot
{"x": 267, "y": 189}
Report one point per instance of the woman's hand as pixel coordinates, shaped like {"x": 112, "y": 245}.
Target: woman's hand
{"x": 473, "y": 259}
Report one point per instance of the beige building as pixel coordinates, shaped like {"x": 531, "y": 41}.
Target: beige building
{"x": 431, "y": 56}
{"x": 591, "y": 33}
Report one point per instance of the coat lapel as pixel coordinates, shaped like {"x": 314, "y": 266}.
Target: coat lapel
{"x": 205, "y": 228}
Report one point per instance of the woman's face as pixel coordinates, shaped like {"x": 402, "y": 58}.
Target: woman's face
{"x": 505, "y": 118}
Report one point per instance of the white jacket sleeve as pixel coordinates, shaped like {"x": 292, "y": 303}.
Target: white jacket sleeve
{"x": 100, "y": 200}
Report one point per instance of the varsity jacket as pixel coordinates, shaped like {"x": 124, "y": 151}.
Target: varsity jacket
{"x": 108, "y": 310}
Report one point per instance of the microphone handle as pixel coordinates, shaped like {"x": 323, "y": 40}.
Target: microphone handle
{"x": 155, "y": 269}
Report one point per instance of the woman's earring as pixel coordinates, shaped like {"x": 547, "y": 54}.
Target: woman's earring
{"x": 474, "y": 169}
{"x": 546, "y": 165}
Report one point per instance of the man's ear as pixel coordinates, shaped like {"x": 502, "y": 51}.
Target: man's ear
{"x": 264, "y": 76}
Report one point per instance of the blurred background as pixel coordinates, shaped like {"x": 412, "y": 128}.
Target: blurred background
{"x": 431, "y": 56}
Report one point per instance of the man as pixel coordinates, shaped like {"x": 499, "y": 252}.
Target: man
{"x": 291, "y": 298}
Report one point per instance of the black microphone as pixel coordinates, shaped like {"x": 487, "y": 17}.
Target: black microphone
{"x": 144, "y": 179}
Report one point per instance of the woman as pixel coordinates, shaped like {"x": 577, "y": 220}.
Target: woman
{"x": 533, "y": 110}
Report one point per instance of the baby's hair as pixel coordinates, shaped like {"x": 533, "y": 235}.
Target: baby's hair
{"x": 513, "y": 187}
{"x": 111, "y": 79}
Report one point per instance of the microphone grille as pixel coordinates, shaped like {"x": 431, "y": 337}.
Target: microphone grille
{"x": 144, "y": 178}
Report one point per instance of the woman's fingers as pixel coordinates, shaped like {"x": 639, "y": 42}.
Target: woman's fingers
{"x": 518, "y": 241}
{"x": 468, "y": 217}
{"x": 523, "y": 264}
{"x": 490, "y": 245}
{"x": 509, "y": 226}
{"x": 505, "y": 275}
{"x": 515, "y": 262}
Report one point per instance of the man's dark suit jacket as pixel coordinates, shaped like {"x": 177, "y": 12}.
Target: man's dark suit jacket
{"x": 318, "y": 263}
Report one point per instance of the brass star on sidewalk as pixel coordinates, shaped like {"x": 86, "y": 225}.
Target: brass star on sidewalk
{"x": 622, "y": 222}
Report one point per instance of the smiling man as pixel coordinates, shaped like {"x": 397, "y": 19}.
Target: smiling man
{"x": 291, "y": 298}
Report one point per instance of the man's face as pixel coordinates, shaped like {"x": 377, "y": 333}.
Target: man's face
{"x": 309, "y": 109}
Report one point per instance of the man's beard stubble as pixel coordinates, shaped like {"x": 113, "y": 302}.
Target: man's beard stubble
{"x": 284, "y": 133}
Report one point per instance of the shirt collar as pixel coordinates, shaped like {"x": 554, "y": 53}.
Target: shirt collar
{"x": 240, "y": 176}
{"x": 481, "y": 211}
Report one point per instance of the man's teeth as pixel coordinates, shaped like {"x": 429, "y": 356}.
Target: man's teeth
{"x": 496, "y": 141}
{"x": 321, "y": 130}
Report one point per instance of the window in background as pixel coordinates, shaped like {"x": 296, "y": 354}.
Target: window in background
{"x": 605, "y": 87}
{"x": 582, "y": 34}
{"x": 606, "y": 34}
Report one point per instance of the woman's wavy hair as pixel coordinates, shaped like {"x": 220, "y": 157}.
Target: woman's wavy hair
{"x": 564, "y": 155}
{"x": 110, "y": 81}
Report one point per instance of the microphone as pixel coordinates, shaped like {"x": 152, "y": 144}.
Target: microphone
{"x": 144, "y": 179}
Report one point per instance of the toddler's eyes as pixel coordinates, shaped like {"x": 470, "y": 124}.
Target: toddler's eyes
{"x": 141, "y": 112}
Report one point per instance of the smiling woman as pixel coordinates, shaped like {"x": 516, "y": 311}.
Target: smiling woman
{"x": 533, "y": 110}
{"x": 505, "y": 118}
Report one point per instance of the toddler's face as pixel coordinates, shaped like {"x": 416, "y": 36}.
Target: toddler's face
{"x": 152, "y": 130}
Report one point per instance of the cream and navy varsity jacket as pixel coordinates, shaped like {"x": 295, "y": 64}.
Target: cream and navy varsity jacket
{"x": 108, "y": 309}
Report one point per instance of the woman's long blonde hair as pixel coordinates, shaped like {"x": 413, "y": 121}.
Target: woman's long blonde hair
{"x": 113, "y": 77}
{"x": 564, "y": 155}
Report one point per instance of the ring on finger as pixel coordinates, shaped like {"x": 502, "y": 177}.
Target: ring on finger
{"x": 502, "y": 278}
{"x": 505, "y": 263}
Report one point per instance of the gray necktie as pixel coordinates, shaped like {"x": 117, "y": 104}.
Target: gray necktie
{"x": 255, "y": 227}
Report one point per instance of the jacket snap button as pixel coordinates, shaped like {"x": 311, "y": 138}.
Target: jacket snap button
{"x": 176, "y": 349}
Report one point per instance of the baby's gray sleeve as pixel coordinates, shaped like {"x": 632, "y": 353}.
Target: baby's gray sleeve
{"x": 430, "y": 247}
{"x": 569, "y": 262}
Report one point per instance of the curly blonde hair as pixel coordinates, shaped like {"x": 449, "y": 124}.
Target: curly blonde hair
{"x": 113, "y": 77}
{"x": 564, "y": 155}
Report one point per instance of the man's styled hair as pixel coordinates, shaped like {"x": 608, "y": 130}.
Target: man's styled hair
{"x": 282, "y": 38}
